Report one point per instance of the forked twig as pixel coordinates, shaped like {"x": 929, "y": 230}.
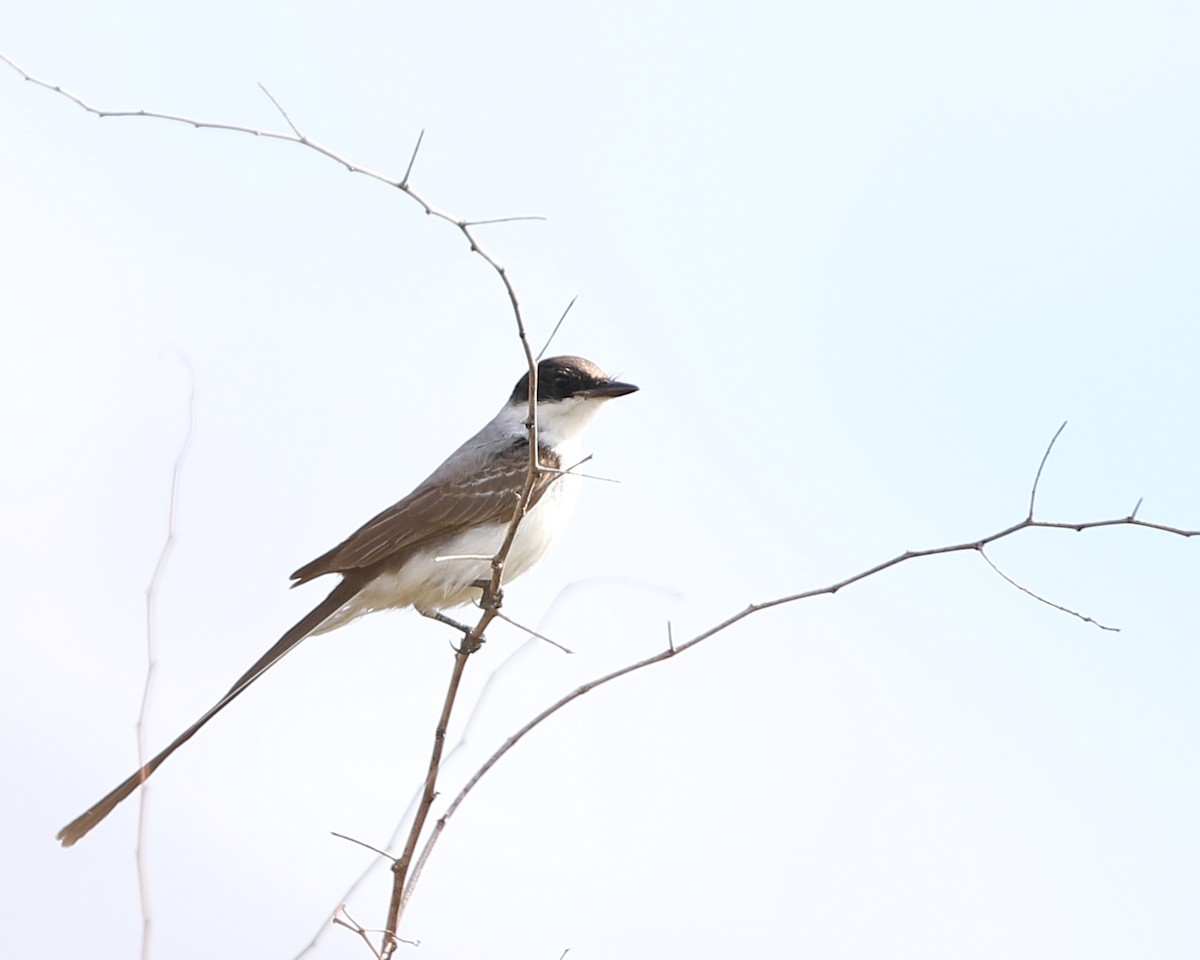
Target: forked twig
{"x": 296, "y": 136}
{"x": 283, "y": 113}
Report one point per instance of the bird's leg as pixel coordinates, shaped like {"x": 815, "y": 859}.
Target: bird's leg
{"x": 442, "y": 618}
{"x": 466, "y": 631}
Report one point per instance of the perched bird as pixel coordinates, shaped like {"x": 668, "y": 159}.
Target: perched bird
{"x": 426, "y": 550}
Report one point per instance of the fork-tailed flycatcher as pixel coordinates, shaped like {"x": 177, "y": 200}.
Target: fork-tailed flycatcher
{"x": 425, "y": 551}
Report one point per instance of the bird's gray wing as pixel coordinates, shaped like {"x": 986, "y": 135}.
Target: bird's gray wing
{"x": 434, "y": 510}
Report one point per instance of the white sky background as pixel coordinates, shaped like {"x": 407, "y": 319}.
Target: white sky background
{"x": 862, "y": 259}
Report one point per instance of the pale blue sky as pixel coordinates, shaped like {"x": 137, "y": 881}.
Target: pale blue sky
{"x": 862, "y": 258}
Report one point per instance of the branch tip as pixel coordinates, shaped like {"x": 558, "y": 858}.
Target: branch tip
{"x": 411, "y": 160}
{"x": 1045, "y": 456}
{"x": 554, "y": 332}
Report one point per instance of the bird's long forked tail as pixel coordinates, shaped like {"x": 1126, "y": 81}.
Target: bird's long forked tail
{"x": 81, "y": 825}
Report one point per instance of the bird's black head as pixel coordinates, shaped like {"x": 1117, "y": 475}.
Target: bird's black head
{"x": 560, "y": 378}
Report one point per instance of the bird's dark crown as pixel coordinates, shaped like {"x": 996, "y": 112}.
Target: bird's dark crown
{"x": 559, "y": 378}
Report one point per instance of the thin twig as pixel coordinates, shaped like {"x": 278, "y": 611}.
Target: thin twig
{"x": 461, "y": 224}
{"x": 351, "y": 924}
{"x": 1038, "y": 597}
{"x": 533, "y": 633}
{"x": 554, "y": 332}
{"x": 1045, "y": 457}
{"x": 411, "y": 160}
{"x": 573, "y": 470}
{"x": 382, "y": 853}
{"x": 283, "y": 113}
{"x": 492, "y": 220}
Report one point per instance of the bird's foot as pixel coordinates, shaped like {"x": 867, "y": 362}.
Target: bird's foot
{"x": 487, "y": 599}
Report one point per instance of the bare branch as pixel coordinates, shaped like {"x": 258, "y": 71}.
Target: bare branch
{"x": 1045, "y": 457}
{"x": 1040, "y": 598}
{"x": 400, "y": 867}
{"x": 674, "y": 650}
{"x": 294, "y": 136}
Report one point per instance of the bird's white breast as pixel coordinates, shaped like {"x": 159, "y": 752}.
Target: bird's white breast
{"x": 447, "y": 581}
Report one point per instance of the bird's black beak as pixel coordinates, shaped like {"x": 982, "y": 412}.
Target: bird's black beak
{"x": 608, "y": 390}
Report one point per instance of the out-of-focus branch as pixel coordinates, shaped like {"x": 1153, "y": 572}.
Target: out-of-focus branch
{"x": 151, "y": 652}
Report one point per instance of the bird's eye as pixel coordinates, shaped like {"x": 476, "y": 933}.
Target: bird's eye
{"x": 562, "y": 382}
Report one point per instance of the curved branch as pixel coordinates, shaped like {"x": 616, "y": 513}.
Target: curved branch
{"x": 674, "y": 649}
